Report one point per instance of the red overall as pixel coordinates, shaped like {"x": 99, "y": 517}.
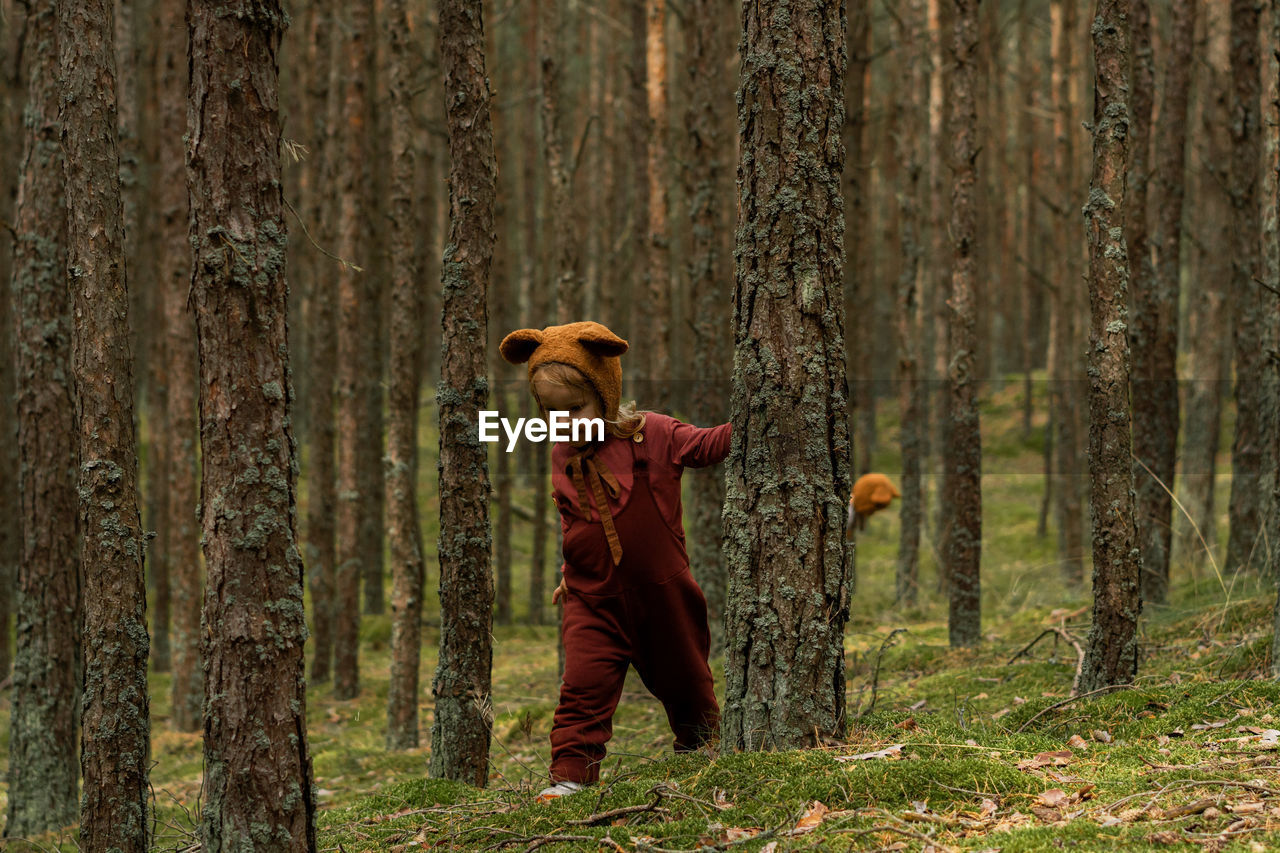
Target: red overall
{"x": 646, "y": 611}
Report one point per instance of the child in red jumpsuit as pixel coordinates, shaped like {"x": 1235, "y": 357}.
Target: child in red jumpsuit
{"x": 629, "y": 597}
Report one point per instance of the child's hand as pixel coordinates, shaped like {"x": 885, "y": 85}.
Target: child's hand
{"x": 559, "y": 591}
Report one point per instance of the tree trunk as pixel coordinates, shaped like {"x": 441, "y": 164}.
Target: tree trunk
{"x": 402, "y": 438}
{"x": 908, "y": 135}
{"x": 857, "y": 269}
{"x": 464, "y": 710}
{"x": 171, "y": 215}
{"x": 10, "y": 470}
{"x": 706, "y": 177}
{"x": 258, "y": 782}
{"x": 322, "y": 495}
{"x": 659, "y": 303}
{"x": 115, "y": 749}
{"x": 352, "y": 505}
{"x": 565, "y": 250}
{"x": 43, "y": 767}
{"x": 1112, "y": 653}
{"x": 1252, "y": 466}
{"x": 1156, "y": 298}
{"x": 963, "y": 451}
{"x": 788, "y": 468}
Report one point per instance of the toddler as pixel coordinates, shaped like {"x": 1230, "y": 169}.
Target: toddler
{"x": 628, "y": 594}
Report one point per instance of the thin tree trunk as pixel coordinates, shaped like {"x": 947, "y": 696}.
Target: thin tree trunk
{"x": 352, "y": 506}
{"x": 464, "y": 711}
{"x": 115, "y": 748}
{"x": 322, "y": 496}
{"x": 706, "y": 184}
{"x": 659, "y": 303}
{"x": 908, "y": 136}
{"x": 1252, "y": 466}
{"x": 963, "y": 452}
{"x": 1111, "y": 656}
{"x": 406, "y": 359}
{"x": 10, "y": 470}
{"x": 504, "y": 260}
{"x": 258, "y": 786}
{"x": 857, "y": 280}
{"x": 1155, "y": 403}
{"x": 788, "y": 559}
{"x": 171, "y": 218}
{"x": 43, "y": 768}
{"x": 565, "y": 251}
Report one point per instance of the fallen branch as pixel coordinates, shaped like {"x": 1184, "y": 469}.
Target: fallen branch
{"x": 1071, "y": 699}
{"x": 596, "y": 819}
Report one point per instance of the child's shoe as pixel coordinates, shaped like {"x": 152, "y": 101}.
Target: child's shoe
{"x": 560, "y": 789}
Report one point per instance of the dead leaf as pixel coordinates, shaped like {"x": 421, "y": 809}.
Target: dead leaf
{"x": 1045, "y": 759}
{"x": 735, "y": 833}
{"x": 998, "y": 714}
{"x": 1102, "y": 736}
{"x": 1047, "y": 815}
{"x": 1053, "y": 798}
{"x": 1217, "y": 724}
{"x": 1245, "y": 808}
{"x": 890, "y": 752}
{"x": 771, "y": 847}
{"x": 988, "y": 808}
{"x": 907, "y": 725}
{"x": 1077, "y": 742}
{"x": 811, "y": 819}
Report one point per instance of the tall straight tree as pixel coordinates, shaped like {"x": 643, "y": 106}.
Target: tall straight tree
{"x": 406, "y": 375}
{"x": 856, "y": 269}
{"x": 565, "y": 252}
{"x": 115, "y": 748}
{"x": 10, "y": 527}
{"x": 1155, "y": 389}
{"x": 909, "y": 137}
{"x": 657, "y": 244}
{"x": 1252, "y": 467}
{"x": 963, "y": 450}
{"x": 258, "y": 782}
{"x": 1111, "y": 656}
{"x": 170, "y": 216}
{"x": 352, "y": 432}
{"x": 464, "y": 712}
{"x": 787, "y": 475}
{"x": 43, "y": 768}
{"x": 706, "y": 177}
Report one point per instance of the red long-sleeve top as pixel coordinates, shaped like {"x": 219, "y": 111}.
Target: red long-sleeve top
{"x": 670, "y": 446}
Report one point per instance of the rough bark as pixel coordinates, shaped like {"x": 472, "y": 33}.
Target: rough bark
{"x": 1111, "y": 656}
{"x": 115, "y": 748}
{"x": 706, "y": 178}
{"x": 908, "y": 136}
{"x": 963, "y": 450}
{"x": 258, "y": 783}
{"x": 1156, "y": 297}
{"x": 406, "y": 358}
{"x": 1252, "y": 465}
{"x": 44, "y": 721}
{"x": 565, "y": 252}
{"x": 321, "y": 543}
{"x": 352, "y": 505}
{"x": 506, "y": 217}
{"x": 787, "y": 479}
{"x": 10, "y": 472}
{"x": 170, "y": 215}
{"x": 463, "y": 711}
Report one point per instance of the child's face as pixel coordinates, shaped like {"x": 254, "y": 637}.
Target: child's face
{"x": 579, "y": 403}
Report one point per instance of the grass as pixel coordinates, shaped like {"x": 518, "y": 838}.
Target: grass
{"x": 969, "y": 724}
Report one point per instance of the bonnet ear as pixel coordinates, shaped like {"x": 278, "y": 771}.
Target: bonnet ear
{"x": 518, "y": 346}
{"x": 599, "y": 341}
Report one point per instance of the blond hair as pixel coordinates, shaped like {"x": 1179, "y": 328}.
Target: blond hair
{"x": 630, "y": 420}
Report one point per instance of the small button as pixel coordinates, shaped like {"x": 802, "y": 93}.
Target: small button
{"x": 637, "y": 437}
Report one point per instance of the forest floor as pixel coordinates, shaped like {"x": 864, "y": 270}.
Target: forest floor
{"x": 946, "y": 750}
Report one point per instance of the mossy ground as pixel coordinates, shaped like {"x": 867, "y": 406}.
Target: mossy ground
{"x": 1191, "y": 730}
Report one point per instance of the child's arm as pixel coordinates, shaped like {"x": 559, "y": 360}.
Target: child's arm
{"x": 697, "y": 447}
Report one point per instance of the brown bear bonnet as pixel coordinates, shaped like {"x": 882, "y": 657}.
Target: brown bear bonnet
{"x": 587, "y": 345}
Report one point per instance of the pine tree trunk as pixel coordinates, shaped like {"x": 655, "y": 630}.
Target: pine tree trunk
{"x": 322, "y": 495}
{"x": 788, "y": 467}
{"x": 963, "y": 451}
{"x": 258, "y": 781}
{"x": 464, "y": 710}
{"x": 908, "y": 136}
{"x": 857, "y": 269}
{"x": 706, "y": 176}
{"x": 1252, "y": 465}
{"x": 10, "y": 472}
{"x": 659, "y": 304}
{"x": 352, "y": 505}
{"x": 170, "y": 215}
{"x": 565, "y": 253}
{"x": 402, "y": 438}
{"x": 44, "y": 769}
{"x": 505, "y": 217}
{"x": 1155, "y": 391}
{"x": 115, "y": 748}
{"x": 1112, "y": 653}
